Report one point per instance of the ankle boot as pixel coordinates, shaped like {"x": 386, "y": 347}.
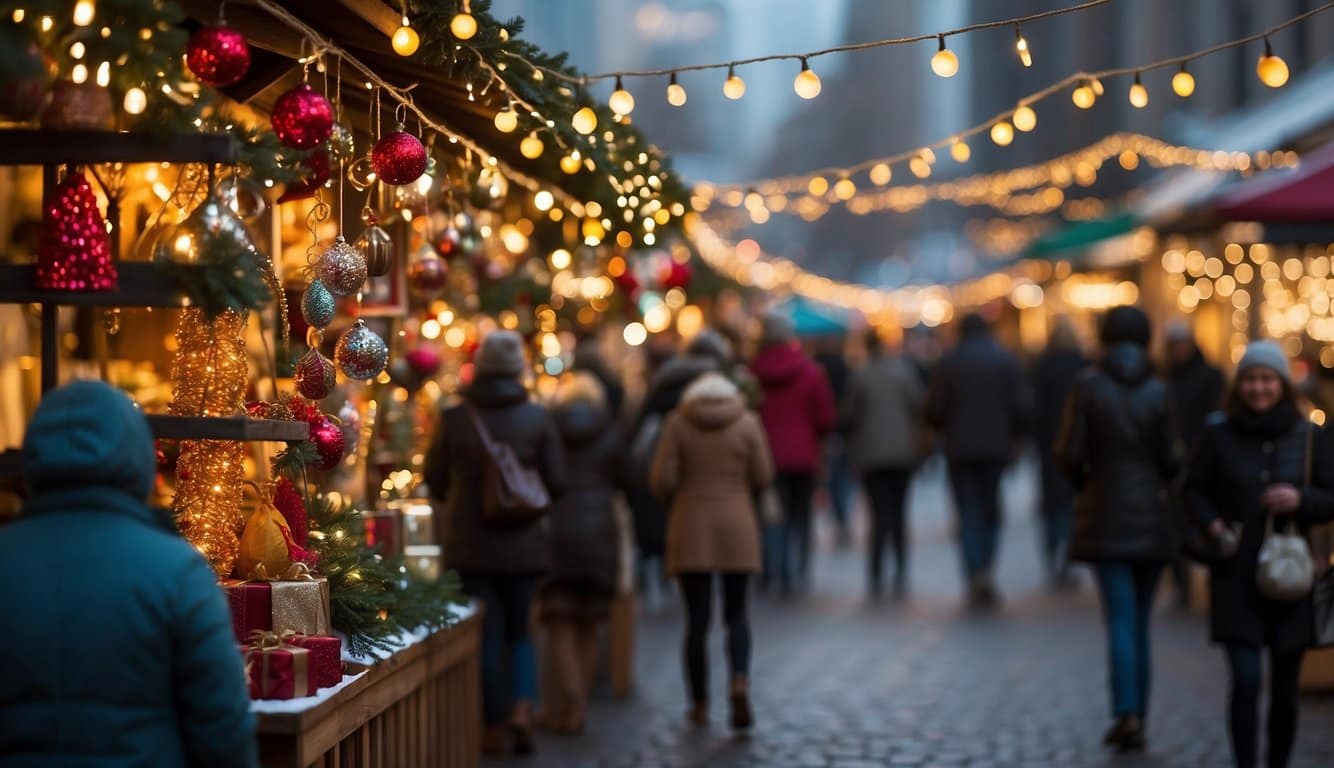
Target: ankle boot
{"x": 521, "y": 729}
{"x": 698, "y": 714}
{"x": 742, "y": 717}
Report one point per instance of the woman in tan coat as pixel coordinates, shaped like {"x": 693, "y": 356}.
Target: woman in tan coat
{"x": 711, "y": 461}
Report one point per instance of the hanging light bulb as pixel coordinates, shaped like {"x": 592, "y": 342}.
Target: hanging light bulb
{"x": 507, "y": 120}
{"x": 571, "y": 163}
{"x": 1002, "y": 133}
{"x": 585, "y": 121}
{"x": 1024, "y": 118}
{"x": 733, "y": 87}
{"x": 1021, "y": 46}
{"x": 1272, "y": 70}
{"x": 79, "y": 74}
{"x": 1183, "y": 83}
{"x": 405, "y": 40}
{"x": 807, "y": 83}
{"x": 881, "y": 173}
{"x": 1083, "y": 96}
{"x": 676, "y": 94}
{"x": 136, "y": 101}
{"x": 622, "y": 102}
{"x": 944, "y": 63}
{"x": 104, "y": 74}
{"x": 531, "y": 147}
{"x": 1139, "y": 95}
{"x": 1096, "y": 85}
{"x": 960, "y": 151}
{"x": 920, "y": 165}
{"x": 463, "y": 25}
{"x": 83, "y": 13}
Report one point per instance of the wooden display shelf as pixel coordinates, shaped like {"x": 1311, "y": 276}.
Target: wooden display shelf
{"x": 40, "y": 147}
{"x": 420, "y": 707}
{"x": 139, "y": 284}
{"x": 226, "y": 428}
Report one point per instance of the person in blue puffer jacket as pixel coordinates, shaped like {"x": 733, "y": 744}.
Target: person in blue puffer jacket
{"x": 116, "y": 640}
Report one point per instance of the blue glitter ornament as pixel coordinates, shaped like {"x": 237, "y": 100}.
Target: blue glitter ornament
{"x": 317, "y": 305}
{"x": 361, "y": 354}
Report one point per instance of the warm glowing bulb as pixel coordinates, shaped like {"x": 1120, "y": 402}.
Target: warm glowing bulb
{"x": 18, "y": 15}
{"x": 1083, "y": 96}
{"x": 585, "y": 121}
{"x": 104, "y": 74}
{"x": 463, "y": 26}
{"x": 1272, "y": 70}
{"x": 960, "y": 151}
{"x": 506, "y": 120}
{"x": 944, "y": 63}
{"x": 136, "y": 101}
{"x": 881, "y": 173}
{"x": 79, "y": 74}
{"x": 622, "y": 102}
{"x": 83, "y": 13}
{"x": 543, "y": 200}
{"x": 77, "y": 50}
{"x": 1025, "y": 119}
{"x": 1002, "y": 133}
{"x": 1096, "y": 85}
{"x": 1139, "y": 95}
{"x": 845, "y": 188}
{"x": 734, "y": 87}
{"x": 807, "y": 83}
{"x": 405, "y": 40}
{"x": 1183, "y": 83}
{"x": 571, "y": 163}
{"x": 531, "y": 147}
{"x": 676, "y": 94}
{"x": 1021, "y": 46}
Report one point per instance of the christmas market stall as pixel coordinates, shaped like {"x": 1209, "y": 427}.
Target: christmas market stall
{"x": 282, "y": 229}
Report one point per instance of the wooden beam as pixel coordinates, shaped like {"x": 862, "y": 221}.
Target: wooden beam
{"x": 375, "y": 13}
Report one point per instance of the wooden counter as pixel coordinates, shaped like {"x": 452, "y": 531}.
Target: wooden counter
{"x": 420, "y": 707}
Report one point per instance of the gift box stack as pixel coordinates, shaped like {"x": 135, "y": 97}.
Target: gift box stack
{"x": 280, "y": 612}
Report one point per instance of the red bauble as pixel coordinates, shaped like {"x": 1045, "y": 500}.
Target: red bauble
{"x": 628, "y": 284}
{"x": 424, "y": 360}
{"x": 75, "y": 250}
{"x": 428, "y": 273}
{"x": 399, "y": 158}
{"x": 675, "y": 275}
{"x": 217, "y": 55}
{"x": 302, "y": 118}
{"x": 328, "y": 440}
{"x": 315, "y": 375}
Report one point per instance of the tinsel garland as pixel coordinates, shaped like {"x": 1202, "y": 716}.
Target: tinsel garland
{"x": 209, "y": 378}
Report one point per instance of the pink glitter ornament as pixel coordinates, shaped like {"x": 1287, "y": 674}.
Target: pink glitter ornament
{"x": 302, "y": 118}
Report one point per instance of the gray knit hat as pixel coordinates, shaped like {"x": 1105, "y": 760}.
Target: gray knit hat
{"x": 501, "y": 354}
{"x": 776, "y": 328}
{"x": 1265, "y": 354}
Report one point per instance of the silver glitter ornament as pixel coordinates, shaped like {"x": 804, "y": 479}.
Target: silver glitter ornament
{"x": 342, "y": 268}
{"x": 341, "y": 143}
{"x": 317, "y": 305}
{"x": 361, "y": 354}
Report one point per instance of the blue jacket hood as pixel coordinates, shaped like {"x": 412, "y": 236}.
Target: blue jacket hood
{"x": 88, "y": 435}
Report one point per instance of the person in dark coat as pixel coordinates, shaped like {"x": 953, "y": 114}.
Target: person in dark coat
{"x": 978, "y": 401}
{"x": 588, "y": 358}
{"x": 1195, "y": 390}
{"x": 118, "y": 642}
{"x": 575, "y": 599}
{"x": 837, "y": 478}
{"x": 498, "y": 565}
{"x": 1262, "y": 462}
{"x": 1115, "y": 448}
{"x": 1054, "y": 375}
{"x": 798, "y": 412}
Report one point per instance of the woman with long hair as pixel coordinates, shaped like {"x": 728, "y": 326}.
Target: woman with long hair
{"x": 1260, "y": 466}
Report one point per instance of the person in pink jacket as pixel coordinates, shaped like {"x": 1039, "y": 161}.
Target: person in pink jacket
{"x": 797, "y": 409}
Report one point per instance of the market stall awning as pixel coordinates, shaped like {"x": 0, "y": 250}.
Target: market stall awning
{"x": 810, "y": 319}
{"x": 1306, "y": 195}
{"x": 1065, "y": 243}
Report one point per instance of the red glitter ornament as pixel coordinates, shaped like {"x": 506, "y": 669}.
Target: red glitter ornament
{"x": 328, "y": 440}
{"x": 428, "y": 274}
{"x": 217, "y": 55}
{"x": 315, "y": 375}
{"x": 399, "y": 158}
{"x": 675, "y": 275}
{"x": 75, "y": 250}
{"x": 302, "y": 118}
{"x": 293, "y": 508}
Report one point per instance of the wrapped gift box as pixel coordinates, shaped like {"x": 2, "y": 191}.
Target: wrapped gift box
{"x": 251, "y": 604}
{"x": 301, "y": 606}
{"x": 326, "y": 658}
{"x": 278, "y": 671}
{"x": 382, "y": 530}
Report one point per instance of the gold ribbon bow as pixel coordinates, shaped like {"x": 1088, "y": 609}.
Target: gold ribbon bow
{"x": 295, "y": 572}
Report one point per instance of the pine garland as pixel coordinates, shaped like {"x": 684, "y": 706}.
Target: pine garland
{"x": 229, "y": 275}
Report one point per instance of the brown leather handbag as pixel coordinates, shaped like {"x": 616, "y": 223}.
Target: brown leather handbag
{"x": 513, "y": 494}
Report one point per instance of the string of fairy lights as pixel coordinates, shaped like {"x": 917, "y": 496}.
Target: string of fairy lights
{"x": 997, "y": 190}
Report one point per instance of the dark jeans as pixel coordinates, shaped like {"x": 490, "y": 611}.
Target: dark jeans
{"x": 1127, "y": 590}
{"x": 838, "y": 481}
{"x": 977, "y": 496}
{"x": 888, "y": 490}
{"x": 795, "y": 489}
{"x": 1244, "y": 701}
{"x": 1058, "y": 509}
{"x": 509, "y": 664}
{"x": 697, "y": 589}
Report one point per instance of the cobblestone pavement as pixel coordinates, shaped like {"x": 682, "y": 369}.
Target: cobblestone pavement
{"x": 841, "y": 683}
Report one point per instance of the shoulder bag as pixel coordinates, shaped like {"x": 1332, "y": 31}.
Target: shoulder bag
{"x": 1285, "y": 570}
{"x": 513, "y": 493}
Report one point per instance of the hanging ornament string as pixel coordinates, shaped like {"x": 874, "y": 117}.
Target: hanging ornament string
{"x": 803, "y": 57}
{"x": 1091, "y": 80}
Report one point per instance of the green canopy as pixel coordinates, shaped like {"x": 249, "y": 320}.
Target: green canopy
{"x": 1058, "y": 243}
